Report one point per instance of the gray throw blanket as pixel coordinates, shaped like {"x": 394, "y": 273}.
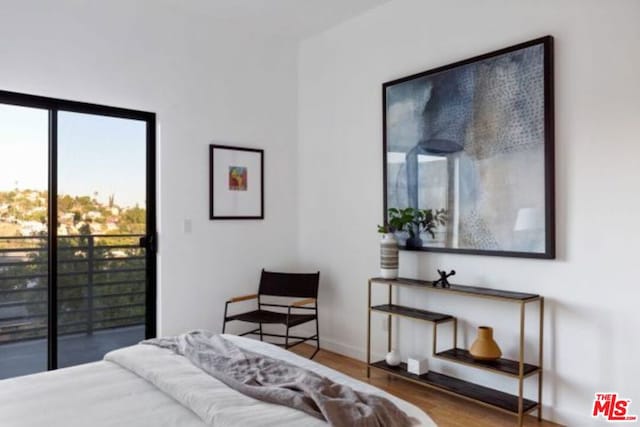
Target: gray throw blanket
{"x": 276, "y": 381}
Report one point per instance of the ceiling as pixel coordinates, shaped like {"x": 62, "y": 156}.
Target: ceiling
{"x": 290, "y": 18}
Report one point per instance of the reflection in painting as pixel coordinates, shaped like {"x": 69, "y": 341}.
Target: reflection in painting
{"x": 471, "y": 140}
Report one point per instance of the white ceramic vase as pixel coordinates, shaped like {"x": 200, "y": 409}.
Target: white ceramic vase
{"x": 388, "y": 256}
{"x": 393, "y": 358}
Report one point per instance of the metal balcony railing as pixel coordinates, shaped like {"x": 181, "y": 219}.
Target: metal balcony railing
{"x": 101, "y": 285}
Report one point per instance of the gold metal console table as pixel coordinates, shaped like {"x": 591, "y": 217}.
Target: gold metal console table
{"x": 512, "y": 404}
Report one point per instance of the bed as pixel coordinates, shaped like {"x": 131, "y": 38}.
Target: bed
{"x": 144, "y": 385}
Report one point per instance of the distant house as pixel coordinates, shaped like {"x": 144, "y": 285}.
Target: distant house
{"x": 112, "y": 223}
{"x": 118, "y": 253}
{"x": 94, "y": 215}
{"x": 37, "y": 209}
{"x": 95, "y": 228}
{"x": 31, "y": 228}
{"x": 67, "y": 218}
{"x": 33, "y": 196}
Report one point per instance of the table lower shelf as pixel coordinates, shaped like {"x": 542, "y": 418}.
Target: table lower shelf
{"x": 487, "y": 396}
{"x": 502, "y": 366}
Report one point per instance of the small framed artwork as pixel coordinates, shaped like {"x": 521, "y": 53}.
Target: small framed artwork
{"x": 236, "y": 182}
{"x": 469, "y": 155}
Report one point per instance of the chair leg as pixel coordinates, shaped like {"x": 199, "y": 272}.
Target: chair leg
{"x": 286, "y": 334}
{"x": 286, "y": 338}
{"x": 224, "y": 320}
{"x": 260, "y": 308}
{"x": 317, "y": 337}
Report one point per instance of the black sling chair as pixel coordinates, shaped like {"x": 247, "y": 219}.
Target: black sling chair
{"x": 294, "y": 285}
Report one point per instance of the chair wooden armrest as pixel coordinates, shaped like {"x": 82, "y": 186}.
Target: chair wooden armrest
{"x": 302, "y": 302}
{"x": 243, "y": 298}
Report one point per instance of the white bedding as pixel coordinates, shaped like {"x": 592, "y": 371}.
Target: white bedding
{"x": 145, "y": 385}
{"x": 99, "y": 394}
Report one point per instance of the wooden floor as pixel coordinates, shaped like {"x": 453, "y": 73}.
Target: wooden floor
{"x": 444, "y": 409}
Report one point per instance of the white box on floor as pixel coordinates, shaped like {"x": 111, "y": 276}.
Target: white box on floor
{"x": 417, "y": 366}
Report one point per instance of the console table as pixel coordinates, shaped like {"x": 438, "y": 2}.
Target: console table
{"x": 518, "y": 369}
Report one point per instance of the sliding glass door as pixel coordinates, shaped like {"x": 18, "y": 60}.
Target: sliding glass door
{"x": 24, "y": 205}
{"x": 101, "y": 219}
{"x": 77, "y": 240}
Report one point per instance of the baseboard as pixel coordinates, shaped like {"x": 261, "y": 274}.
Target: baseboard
{"x": 348, "y": 350}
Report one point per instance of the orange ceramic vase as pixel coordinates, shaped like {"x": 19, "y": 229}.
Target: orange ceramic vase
{"x": 484, "y": 347}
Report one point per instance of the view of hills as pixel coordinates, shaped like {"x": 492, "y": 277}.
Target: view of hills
{"x": 24, "y": 213}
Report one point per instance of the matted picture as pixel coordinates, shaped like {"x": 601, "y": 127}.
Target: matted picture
{"x": 469, "y": 154}
{"x": 236, "y": 182}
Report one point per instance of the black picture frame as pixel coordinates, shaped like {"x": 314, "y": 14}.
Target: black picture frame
{"x": 549, "y": 149}
{"x": 212, "y": 195}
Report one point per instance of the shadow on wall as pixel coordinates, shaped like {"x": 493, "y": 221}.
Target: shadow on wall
{"x": 597, "y": 343}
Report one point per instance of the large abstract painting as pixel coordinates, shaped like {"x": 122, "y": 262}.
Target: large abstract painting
{"x": 471, "y": 144}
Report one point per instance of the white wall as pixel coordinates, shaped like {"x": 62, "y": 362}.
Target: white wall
{"x": 591, "y": 289}
{"x": 208, "y": 81}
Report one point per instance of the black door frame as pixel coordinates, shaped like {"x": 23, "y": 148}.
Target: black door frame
{"x": 53, "y": 106}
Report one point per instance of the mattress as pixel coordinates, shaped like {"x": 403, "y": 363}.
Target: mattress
{"x": 145, "y": 385}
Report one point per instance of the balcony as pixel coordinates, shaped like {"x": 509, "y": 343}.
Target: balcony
{"x": 101, "y": 299}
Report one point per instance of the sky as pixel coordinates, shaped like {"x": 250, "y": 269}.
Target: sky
{"x": 95, "y": 154}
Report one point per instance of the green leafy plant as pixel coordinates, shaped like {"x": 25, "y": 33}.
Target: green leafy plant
{"x": 414, "y": 221}
{"x": 397, "y": 220}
